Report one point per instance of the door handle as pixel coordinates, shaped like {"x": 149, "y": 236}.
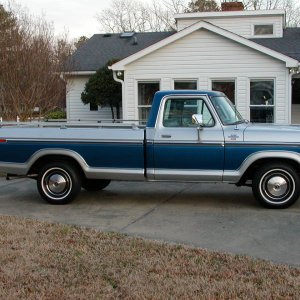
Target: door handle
{"x": 166, "y": 136}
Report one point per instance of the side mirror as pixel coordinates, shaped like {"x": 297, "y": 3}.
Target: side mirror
{"x": 198, "y": 119}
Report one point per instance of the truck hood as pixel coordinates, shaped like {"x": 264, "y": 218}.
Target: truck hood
{"x": 272, "y": 133}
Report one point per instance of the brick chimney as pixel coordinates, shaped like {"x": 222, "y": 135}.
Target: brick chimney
{"x": 232, "y": 6}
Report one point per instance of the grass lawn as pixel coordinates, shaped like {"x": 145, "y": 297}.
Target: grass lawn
{"x": 50, "y": 261}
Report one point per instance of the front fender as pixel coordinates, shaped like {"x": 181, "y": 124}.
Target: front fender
{"x": 235, "y": 175}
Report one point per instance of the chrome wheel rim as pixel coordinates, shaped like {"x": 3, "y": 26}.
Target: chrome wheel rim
{"x": 56, "y": 183}
{"x": 277, "y": 186}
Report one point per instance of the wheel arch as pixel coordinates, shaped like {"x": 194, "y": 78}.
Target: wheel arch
{"x": 290, "y": 158}
{"x": 47, "y": 155}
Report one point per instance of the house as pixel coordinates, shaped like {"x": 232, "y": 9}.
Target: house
{"x": 249, "y": 55}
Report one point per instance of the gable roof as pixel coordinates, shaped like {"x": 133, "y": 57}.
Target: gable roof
{"x": 290, "y": 62}
{"x": 288, "y": 45}
{"x": 101, "y": 48}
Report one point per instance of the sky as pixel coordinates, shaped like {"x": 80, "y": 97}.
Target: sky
{"x": 77, "y": 17}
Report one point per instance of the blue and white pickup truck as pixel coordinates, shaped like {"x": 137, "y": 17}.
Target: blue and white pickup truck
{"x": 195, "y": 136}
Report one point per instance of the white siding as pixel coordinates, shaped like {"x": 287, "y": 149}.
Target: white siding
{"x": 205, "y": 56}
{"x": 242, "y": 26}
{"x": 75, "y": 107}
{"x": 129, "y": 107}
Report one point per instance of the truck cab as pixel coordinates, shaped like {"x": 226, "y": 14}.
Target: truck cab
{"x": 186, "y": 148}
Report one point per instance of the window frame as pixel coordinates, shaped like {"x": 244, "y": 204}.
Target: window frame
{"x": 259, "y": 79}
{"x": 181, "y": 79}
{"x": 144, "y": 80}
{"x": 266, "y": 35}
{"x": 183, "y": 97}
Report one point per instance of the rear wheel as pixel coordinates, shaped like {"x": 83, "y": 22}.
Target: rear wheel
{"x": 93, "y": 185}
{"x": 276, "y": 185}
{"x": 59, "y": 182}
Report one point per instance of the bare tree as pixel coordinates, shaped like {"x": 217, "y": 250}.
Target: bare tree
{"x": 164, "y": 12}
{"x": 135, "y": 15}
{"x": 31, "y": 60}
{"x": 291, "y": 7}
{"x": 123, "y": 15}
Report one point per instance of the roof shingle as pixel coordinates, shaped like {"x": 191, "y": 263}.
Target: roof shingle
{"x": 100, "y": 48}
{"x": 288, "y": 45}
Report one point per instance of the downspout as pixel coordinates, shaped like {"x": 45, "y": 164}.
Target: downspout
{"x": 115, "y": 76}
{"x": 289, "y": 86}
{"x": 64, "y": 78}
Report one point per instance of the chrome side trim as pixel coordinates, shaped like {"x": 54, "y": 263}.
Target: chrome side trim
{"x": 232, "y": 176}
{"x": 189, "y": 143}
{"x": 115, "y": 173}
{"x": 239, "y": 144}
{"x": 150, "y": 174}
{"x": 80, "y": 141}
{"x": 189, "y": 175}
{"x": 235, "y": 175}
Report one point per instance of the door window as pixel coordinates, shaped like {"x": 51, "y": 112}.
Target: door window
{"x": 179, "y": 112}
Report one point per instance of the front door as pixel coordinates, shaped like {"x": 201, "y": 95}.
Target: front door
{"x": 181, "y": 150}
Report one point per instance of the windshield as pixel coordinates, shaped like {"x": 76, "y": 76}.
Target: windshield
{"x": 226, "y": 111}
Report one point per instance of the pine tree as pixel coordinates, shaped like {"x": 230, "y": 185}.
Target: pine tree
{"x": 103, "y": 90}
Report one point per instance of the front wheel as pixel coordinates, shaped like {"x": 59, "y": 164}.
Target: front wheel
{"x": 276, "y": 185}
{"x": 59, "y": 182}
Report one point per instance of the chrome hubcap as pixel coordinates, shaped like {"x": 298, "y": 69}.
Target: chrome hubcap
{"x": 56, "y": 183}
{"x": 277, "y": 186}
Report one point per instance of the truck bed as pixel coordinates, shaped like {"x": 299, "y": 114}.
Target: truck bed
{"x": 99, "y": 147}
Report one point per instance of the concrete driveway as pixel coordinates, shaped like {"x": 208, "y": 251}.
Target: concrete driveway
{"x": 214, "y": 216}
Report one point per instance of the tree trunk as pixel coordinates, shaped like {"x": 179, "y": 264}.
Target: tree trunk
{"x": 118, "y": 111}
{"x": 112, "y": 112}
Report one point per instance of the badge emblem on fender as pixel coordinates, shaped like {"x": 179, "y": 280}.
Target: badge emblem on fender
{"x": 233, "y": 137}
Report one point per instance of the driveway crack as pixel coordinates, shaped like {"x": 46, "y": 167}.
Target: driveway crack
{"x": 155, "y": 208}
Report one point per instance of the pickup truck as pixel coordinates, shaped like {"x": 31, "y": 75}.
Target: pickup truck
{"x": 194, "y": 136}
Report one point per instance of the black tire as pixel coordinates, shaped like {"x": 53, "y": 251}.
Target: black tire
{"x": 93, "y": 185}
{"x": 59, "y": 182}
{"x": 276, "y": 185}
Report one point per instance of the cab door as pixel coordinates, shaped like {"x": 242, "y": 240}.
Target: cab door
{"x": 182, "y": 150}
